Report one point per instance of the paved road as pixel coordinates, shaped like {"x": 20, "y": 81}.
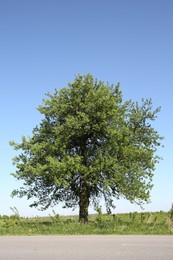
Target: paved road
{"x": 86, "y": 247}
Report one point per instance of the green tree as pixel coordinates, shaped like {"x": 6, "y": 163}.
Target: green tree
{"x": 89, "y": 145}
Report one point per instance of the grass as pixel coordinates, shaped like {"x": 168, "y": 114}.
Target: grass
{"x": 153, "y": 223}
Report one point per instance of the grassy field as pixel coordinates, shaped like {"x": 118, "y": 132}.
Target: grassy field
{"x": 160, "y": 223}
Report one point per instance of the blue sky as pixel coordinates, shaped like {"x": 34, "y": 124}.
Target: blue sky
{"x": 45, "y": 43}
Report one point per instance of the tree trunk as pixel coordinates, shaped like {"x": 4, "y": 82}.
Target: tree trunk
{"x": 83, "y": 204}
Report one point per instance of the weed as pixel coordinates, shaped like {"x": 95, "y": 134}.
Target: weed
{"x": 99, "y": 217}
{"x": 55, "y": 218}
{"x": 171, "y": 212}
{"x": 130, "y": 223}
{"x": 143, "y": 217}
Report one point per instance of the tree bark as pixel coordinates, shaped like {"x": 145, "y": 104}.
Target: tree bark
{"x": 83, "y": 204}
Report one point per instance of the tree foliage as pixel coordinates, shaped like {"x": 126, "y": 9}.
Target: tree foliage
{"x": 89, "y": 145}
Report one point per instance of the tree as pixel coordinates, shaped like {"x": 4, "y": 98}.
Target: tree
{"x": 90, "y": 145}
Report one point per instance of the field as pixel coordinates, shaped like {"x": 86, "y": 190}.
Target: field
{"x": 160, "y": 223}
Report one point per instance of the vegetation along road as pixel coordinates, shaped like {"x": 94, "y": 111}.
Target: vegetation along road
{"x": 86, "y": 247}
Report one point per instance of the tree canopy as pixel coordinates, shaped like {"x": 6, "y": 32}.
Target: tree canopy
{"x": 90, "y": 145}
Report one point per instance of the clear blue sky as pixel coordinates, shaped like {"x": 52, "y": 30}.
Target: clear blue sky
{"x": 45, "y": 43}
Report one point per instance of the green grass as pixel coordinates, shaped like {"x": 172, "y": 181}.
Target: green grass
{"x": 160, "y": 223}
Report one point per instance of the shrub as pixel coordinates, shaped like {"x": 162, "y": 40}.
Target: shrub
{"x": 171, "y": 212}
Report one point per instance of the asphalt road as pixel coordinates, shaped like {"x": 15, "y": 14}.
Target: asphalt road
{"x": 86, "y": 247}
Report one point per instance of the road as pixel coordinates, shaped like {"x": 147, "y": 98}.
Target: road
{"x": 86, "y": 247}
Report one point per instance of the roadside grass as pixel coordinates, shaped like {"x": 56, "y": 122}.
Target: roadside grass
{"x": 133, "y": 223}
